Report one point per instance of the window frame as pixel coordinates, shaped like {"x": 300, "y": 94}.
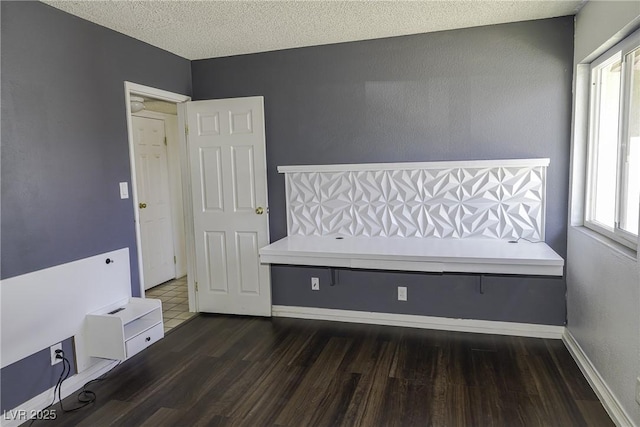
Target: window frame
{"x": 619, "y": 51}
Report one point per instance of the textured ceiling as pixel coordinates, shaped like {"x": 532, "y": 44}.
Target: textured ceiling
{"x": 209, "y": 29}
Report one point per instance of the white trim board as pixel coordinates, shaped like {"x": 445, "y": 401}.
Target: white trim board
{"x": 416, "y": 165}
{"x": 422, "y": 322}
{"x": 45, "y": 398}
{"x": 597, "y": 383}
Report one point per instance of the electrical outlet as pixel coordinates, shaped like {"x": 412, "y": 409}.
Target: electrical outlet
{"x": 402, "y": 293}
{"x": 53, "y": 349}
{"x": 315, "y": 284}
{"x": 638, "y": 390}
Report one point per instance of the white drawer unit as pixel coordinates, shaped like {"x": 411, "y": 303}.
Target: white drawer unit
{"x": 143, "y": 340}
{"x": 126, "y": 330}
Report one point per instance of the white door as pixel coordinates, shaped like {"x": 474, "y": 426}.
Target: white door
{"x": 226, "y": 144}
{"x": 152, "y": 181}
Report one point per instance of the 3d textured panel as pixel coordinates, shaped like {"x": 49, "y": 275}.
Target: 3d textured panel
{"x": 489, "y": 202}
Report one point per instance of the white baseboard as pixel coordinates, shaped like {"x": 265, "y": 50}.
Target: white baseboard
{"x": 22, "y": 413}
{"x": 423, "y": 322}
{"x": 609, "y": 401}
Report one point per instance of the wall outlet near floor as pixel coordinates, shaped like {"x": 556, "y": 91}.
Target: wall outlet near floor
{"x": 638, "y": 390}
{"x": 402, "y": 293}
{"x": 53, "y": 349}
{"x": 315, "y": 284}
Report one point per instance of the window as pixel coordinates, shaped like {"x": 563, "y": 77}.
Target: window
{"x": 613, "y": 175}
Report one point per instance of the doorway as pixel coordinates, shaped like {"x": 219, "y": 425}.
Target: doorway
{"x": 222, "y": 165}
{"x": 158, "y": 165}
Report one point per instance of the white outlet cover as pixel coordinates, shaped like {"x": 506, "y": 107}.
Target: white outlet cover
{"x": 402, "y": 293}
{"x": 53, "y": 349}
{"x": 315, "y": 284}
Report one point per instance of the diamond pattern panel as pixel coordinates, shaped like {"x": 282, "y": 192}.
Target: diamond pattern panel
{"x": 495, "y": 202}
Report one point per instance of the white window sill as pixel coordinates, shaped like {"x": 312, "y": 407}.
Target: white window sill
{"x": 611, "y": 244}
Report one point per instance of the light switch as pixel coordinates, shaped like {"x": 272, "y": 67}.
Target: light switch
{"x": 124, "y": 190}
{"x": 402, "y": 293}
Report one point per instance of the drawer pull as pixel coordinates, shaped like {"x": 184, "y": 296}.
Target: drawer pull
{"x": 148, "y": 339}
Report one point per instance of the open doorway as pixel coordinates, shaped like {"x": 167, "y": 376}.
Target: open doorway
{"x": 157, "y": 163}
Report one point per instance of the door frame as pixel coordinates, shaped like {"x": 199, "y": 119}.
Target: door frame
{"x": 176, "y": 98}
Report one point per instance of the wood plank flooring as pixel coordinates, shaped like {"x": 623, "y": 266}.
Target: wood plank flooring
{"x": 244, "y": 371}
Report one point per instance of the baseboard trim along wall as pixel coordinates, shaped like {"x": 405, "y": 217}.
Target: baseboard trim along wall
{"x": 423, "y": 322}
{"x": 28, "y": 409}
{"x": 599, "y": 386}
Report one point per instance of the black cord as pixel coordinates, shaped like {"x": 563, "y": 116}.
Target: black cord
{"x": 56, "y": 388}
{"x": 85, "y": 397}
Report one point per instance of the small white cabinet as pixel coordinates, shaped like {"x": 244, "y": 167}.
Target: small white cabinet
{"x": 126, "y": 330}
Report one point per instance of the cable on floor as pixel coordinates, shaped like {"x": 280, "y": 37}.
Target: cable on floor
{"x": 85, "y": 397}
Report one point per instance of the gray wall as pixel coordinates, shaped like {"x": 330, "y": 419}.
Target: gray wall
{"x": 494, "y": 92}
{"x": 64, "y": 149}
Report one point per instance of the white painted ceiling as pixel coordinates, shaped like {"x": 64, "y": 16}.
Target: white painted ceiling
{"x": 209, "y": 29}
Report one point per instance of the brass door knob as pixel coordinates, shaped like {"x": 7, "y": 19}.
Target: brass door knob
{"x": 259, "y": 210}
{"x": 142, "y": 205}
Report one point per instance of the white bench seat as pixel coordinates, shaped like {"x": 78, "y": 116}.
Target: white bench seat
{"x": 468, "y": 255}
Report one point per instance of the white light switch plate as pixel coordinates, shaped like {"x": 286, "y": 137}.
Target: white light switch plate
{"x": 402, "y": 293}
{"x": 124, "y": 190}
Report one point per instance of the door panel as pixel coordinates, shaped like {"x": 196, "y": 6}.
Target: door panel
{"x": 244, "y": 193}
{"x": 208, "y": 124}
{"x": 152, "y": 181}
{"x": 211, "y": 169}
{"x": 240, "y": 122}
{"x": 216, "y": 248}
{"x": 248, "y": 262}
{"x": 229, "y": 182}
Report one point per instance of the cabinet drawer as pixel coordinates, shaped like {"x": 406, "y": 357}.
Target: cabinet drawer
{"x": 144, "y": 340}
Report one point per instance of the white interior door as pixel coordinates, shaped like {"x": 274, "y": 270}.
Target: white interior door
{"x": 226, "y": 144}
{"x": 152, "y": 180}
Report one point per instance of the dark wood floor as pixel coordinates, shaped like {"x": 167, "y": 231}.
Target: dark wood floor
{"x": 226, "y": 370}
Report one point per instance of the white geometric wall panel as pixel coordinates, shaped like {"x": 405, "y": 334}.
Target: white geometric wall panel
{"x": 503, "y": 199}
